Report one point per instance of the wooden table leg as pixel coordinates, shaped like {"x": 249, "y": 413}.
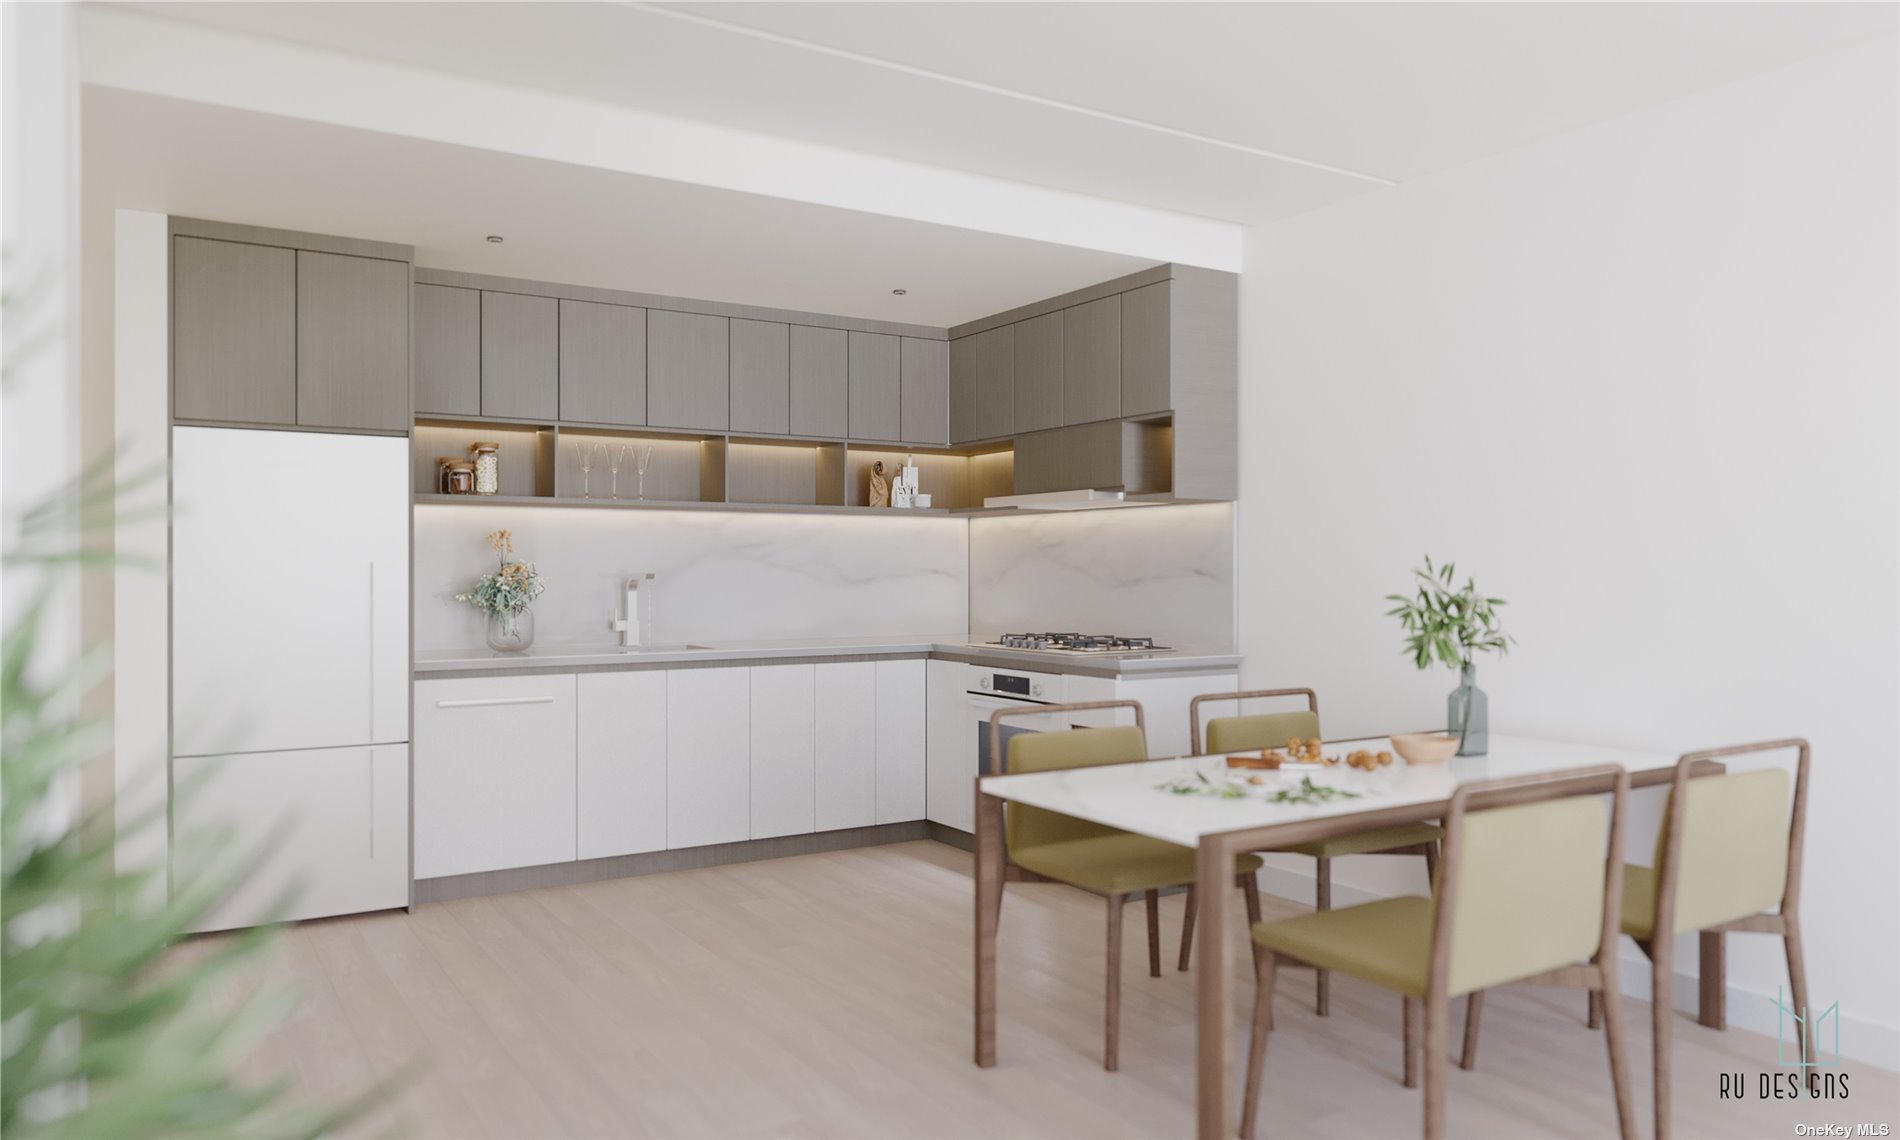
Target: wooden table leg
{"x": 1712, "y": 1004}
{"x": 989, "y": 904}
{"x": 1214, "y": 871}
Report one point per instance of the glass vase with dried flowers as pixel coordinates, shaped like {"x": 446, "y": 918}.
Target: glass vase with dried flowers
{"x": 505, "y": 595}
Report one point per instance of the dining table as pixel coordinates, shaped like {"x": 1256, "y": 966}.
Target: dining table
{"x": 1139, "y": 797}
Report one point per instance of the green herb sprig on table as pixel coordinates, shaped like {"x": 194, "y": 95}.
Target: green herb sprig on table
{"x": 1310, "y": 793}
{"x": 1196, "y": 784}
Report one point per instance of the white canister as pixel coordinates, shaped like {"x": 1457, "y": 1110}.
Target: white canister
{"x": 487, "y": 457}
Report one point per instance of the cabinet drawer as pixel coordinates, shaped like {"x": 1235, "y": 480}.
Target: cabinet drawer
{"x": 495, "y": 773}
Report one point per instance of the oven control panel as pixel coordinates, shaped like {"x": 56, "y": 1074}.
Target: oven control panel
{"x": 1017, "y": 683}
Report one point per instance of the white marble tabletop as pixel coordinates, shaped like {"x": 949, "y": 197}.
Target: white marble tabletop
{"x": 1129, "y": 796}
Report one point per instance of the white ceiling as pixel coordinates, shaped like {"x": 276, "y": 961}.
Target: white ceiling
{"x": 1241, "y": 112}
{"x": 562, "y": 222}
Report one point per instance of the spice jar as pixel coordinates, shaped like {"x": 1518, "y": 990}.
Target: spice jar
{"x": 487, "y": 459}
{"x": 442, "y": 472}
{"x": 458, "y": 477}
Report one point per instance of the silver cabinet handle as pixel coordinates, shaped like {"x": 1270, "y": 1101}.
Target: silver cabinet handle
{"x": 490, "y": 702}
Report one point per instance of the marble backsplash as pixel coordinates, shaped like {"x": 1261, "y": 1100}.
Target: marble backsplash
{"x": 1164, "y": 572}
{"x": 723, "y": 576}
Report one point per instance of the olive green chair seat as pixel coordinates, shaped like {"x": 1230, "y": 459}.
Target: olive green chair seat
{"x": 1116, "y": 864}
{"x": 1387, "y": 943}
{"x": 1529, "y": 892}
{"x": 1256, "y": 731}
{"x": 1639, "y": 902}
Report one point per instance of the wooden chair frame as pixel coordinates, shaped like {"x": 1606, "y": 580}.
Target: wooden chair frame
{"x": 1323, "y": 867}
{"x": 1598, "y": 975}
{"x": 1713, "y": 982}
{"x": 1111, "y": 1052}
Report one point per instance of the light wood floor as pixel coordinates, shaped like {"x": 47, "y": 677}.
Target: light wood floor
{"x": 828, "y": 995}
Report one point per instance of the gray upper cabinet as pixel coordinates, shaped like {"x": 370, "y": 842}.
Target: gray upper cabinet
{"x": 448, "y": 351}
{"x": 875, "y": 386}
{"x": 687, "y": 372}
{"x": 1145, "y": 350}
{"x": 234, "y": 332}
{"x": 603, "y": 363}
{"x": 821, "y": 384}
{"x": 1039, "y": 372}
{"x": 925, "y": 400}
{"x": 352, "y": 342}
{"x": 996, "y": 382}
{"x": 521, "y": 347}
{"x": 1092, "y": 361}
{"x": 761, "y": 377}
{"x": 963, "y": 368}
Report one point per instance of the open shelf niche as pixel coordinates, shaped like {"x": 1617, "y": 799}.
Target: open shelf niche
{"x": 542, "y": 464}
{"x": 527, "y": 454}
{"x": 955, "y": 480}
{"x": 681, "y": 467}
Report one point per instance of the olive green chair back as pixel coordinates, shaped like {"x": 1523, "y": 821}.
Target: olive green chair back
{"x": 1527, "y": 884}
{"x": 1729, "y": 840}
{"x": 1028, "y": 827}
{"x": 1252, "y": 732}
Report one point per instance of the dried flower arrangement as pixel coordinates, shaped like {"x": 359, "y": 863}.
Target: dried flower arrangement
{"x": 510, "y": 589}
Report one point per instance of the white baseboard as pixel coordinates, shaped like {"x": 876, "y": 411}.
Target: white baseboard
{"x": 1861, "y": 1039}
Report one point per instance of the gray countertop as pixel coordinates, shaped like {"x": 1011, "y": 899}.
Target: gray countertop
{"x": 951, "y": 647}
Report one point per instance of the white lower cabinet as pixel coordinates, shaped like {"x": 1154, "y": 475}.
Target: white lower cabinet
{"x": 847, "y": 745}
{"x": 307, "y": 833}
{"x": 494, "y": 771}
{"x": 900, "y": 740}
{"x": 784, "y": 744}
{"x": 620, "y": 763}
{"x": 950, "y": 765}
{"x": 548, "y": 768}
{"x": 708, "y": 756}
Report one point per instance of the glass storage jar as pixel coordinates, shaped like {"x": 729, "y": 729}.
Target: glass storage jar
{"x": 487, "y": 459}
{"x": 458, "y": 477}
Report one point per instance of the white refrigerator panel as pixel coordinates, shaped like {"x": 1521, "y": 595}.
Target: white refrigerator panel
{"x": 290, "y": 590}
{"x": 302, "y": 834}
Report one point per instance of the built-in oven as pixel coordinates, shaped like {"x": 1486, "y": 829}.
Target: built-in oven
{"x": 993, "y": 689}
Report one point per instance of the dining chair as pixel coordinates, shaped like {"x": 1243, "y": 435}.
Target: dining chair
{"x": 1719, "y": 867}
{"x": 1273, "y": 730}
{"x": 1043, "y": 845}
{"x": 1526, "y": 893}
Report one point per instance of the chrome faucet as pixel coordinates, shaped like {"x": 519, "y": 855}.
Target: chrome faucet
{"x": 635, "y": 627}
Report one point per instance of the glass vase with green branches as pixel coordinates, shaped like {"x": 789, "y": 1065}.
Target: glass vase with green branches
{"x": 1450, "y": 625}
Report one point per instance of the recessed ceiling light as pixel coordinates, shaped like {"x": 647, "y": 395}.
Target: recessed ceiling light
{"x": 899, "y": 292}
{"x": 494, "y": 239}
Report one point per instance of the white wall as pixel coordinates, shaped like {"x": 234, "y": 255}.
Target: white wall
{"x": 1160, "y": 572}
{"x": 1641, "y": 379}
{"x": 723, "y": 576}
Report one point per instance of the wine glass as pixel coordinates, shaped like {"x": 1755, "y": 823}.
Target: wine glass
{"x": 616, "y": 459}
{"x": 640, "y": 469}
{"x": 587, "y": 451}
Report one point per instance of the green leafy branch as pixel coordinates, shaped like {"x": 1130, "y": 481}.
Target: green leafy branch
{"x": 1445, "y": 623}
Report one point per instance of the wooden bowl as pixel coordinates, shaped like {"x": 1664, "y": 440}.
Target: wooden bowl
{"x": 1425, "y": 747}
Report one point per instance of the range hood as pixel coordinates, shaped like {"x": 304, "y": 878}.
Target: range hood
{"x": 1085, "y": 500}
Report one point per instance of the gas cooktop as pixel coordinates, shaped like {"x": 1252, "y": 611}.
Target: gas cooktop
{"x": 1081, "y": 644}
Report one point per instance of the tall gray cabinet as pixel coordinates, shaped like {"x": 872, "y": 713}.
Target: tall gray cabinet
{"x": 875, "y": 386}
{"x": 281, "y": 329}
{"x": 761, "y": 377}
{"x": 687, "y": 356}
{"x": 603, "y": 363}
